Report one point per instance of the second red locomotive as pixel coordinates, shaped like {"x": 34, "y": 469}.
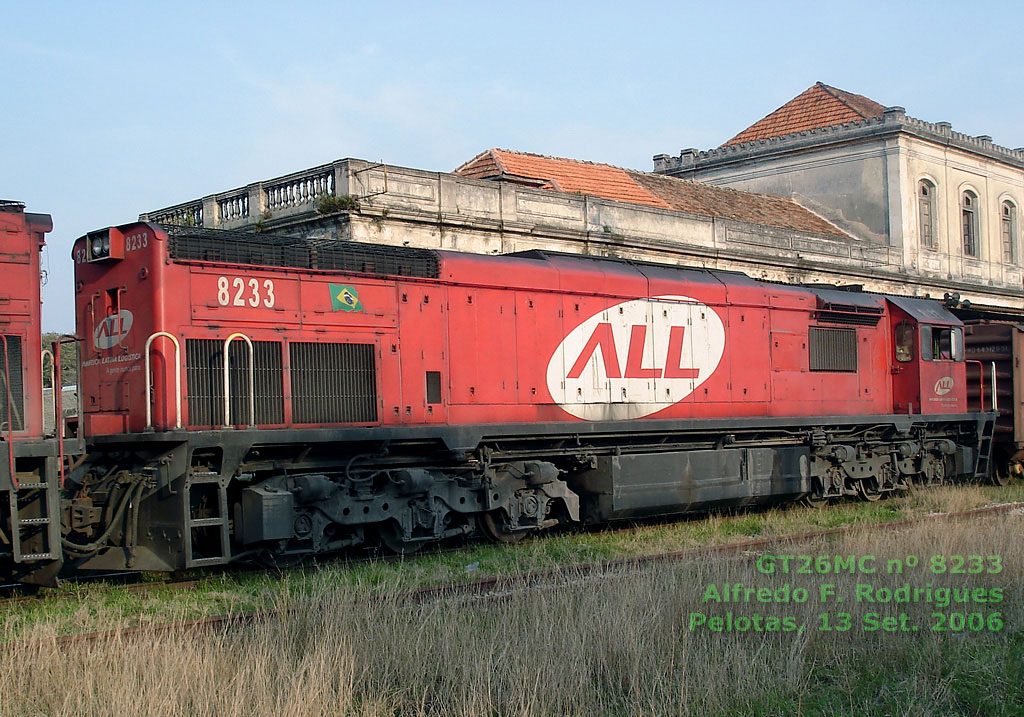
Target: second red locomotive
{"x": 252, "y": 396}
{"x": 31, "y": 460}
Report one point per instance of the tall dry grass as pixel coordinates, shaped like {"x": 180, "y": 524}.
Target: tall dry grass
{"x": 614, "y": 646}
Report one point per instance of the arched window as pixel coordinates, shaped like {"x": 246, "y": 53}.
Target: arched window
{"x": 969, "y": 223}
{"x": 926, "y": 213}
{"x": 1008, "y": 231}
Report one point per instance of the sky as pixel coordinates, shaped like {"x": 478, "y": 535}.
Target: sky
{"x": 114, "y": 109}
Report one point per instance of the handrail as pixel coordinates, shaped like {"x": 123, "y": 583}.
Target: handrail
{"x": 252, "y": 380}
{"x": 995, "y": 395}
{"x": 177, "y": 379}
{"x": 10, "y": 416}
{"x": 58, "y": 400}
{"x": 91, "y": 334}
{"x": 53, "y": 384}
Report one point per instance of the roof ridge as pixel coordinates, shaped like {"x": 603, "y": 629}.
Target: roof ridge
{"x": 820, "y": 105}
{"x": 493, "y": 151}
{"x": 473, "y": 159}
{"x": 843, "y": 96}
{"x": 566, "y": 159}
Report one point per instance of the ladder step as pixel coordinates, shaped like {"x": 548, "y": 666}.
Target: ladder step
{"x": 31, "y": 486}
{"x": 204, "y": 478}
{"x": 33, "y": 521}
{"x": 201, "y": 562}
{"x": 204, "y": 522}
{"x": 38, "y": 556}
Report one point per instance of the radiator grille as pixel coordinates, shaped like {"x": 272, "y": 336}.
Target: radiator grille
{"x": 832, "y": 350}
{"x": 850, "y": 314}
{"x": 14, "y": 364}
{"x": 333, "y": 383}
{"x": 204, "y": 366}
{"x": 198, "y": 244}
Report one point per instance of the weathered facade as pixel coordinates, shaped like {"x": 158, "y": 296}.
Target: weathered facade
{"x": 678, "y": 222}
{"x": 946, "y": 205}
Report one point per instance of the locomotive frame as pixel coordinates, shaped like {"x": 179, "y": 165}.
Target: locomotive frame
{"x": 165, "y": 487}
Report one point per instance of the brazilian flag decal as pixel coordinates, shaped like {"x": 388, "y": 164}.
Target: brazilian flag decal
{"x": 345, "y": 298}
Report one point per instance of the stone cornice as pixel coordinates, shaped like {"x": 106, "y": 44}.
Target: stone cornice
{"x": 893, "y": 122}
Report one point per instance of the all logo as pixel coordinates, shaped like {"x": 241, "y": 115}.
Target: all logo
{"x": 944, "y": 385}
{"x": 636, "y": 358}
{"x": 113, "y": 329}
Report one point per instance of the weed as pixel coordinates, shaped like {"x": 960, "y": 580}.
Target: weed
{"x": 331, "y": 204}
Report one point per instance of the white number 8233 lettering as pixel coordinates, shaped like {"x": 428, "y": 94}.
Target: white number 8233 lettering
{"x": 246, "y": 292}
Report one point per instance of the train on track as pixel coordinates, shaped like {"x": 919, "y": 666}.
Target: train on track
{"x": 251, "y": 397}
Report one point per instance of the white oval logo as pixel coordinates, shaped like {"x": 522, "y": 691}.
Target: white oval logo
{"x": 636, "y": 358}
{"x": 944, "y": 385}
{"x": 113, "y": 329}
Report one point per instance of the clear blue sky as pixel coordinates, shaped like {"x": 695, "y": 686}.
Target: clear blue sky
{"x": 112, "y": 109}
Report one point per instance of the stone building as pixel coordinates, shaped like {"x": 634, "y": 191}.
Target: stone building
{"x": 945, "y": 204}
{"x": 502, "y": 201}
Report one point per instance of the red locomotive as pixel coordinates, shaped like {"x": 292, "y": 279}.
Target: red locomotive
{"x": 249, "y": 396}
{"x": 31, "y": 463}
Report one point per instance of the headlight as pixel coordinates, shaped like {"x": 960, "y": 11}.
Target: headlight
{"x": 105, "y": 245}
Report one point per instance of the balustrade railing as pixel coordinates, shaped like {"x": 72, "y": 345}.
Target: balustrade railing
{"x": 299, "y": 190}
{"x": 186, "y": 215}
{"x": 233, "y": 207}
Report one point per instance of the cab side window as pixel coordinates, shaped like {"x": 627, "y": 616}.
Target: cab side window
{"x": 904, "y": 342}
{"x": 942, "y": 343}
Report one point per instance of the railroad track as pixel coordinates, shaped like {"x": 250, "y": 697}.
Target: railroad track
{"x": 504, "y": 586}
{"x": 138, "y": 583}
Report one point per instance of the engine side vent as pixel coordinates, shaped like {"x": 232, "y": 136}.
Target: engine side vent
{"x": 832, "y": 350}
{"x": 14, "y": 365}
{"x": 204, "y": 367}
{"x": 333, "y": 383}
{"x": 849, "y": 314}
{"x": 232, "y": 247}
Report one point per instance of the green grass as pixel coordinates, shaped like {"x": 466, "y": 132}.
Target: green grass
{"x": 81, "y": 608}
{"x": 957, "y": 676}
{"x": 351, "y": 642}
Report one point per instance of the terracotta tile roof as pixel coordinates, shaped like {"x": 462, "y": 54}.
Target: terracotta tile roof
{"x": 627, "y": 185}
{"x": 563, "y": 175}
{"x": 818, "y": 106}
{"x": 698, "y": 198}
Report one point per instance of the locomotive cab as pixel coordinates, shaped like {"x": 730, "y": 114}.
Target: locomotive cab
{"x": 927, "y": 358}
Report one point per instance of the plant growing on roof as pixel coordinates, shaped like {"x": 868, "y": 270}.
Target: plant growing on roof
{"x": 330, "y": 204}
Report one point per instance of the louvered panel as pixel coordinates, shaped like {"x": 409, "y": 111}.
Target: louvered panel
{"x": 333, "y": 383}
{"x": 832, "y": 350}
{"x": 13, "y": 368}
{"x": 204, "y": 367}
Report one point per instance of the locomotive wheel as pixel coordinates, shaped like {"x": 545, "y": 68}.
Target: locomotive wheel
{"x": 1000, "y": 475}
{"x": 495, "y": 526}
{"x": 867, "y": 489}
{"x": 391, "y": 535}
{"x": 813, "y": 501}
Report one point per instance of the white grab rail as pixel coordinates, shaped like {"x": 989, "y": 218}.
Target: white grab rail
{"x": 57, "y": 420}
{"x": 995, "y": 396}
{"x": 252, "y": 380}
{"x": 177, "y": 380}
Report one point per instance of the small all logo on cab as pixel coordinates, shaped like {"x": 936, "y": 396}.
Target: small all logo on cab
{"x": 113, "y": 329}
{"x": 944, "y": 385}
